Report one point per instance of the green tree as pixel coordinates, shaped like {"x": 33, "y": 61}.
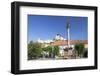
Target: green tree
{"x": 85, "y": 55}
{"x": 52, "y": 50}
{"x": 34, "y": 50}
{"x": 56, "y": 50}
{"x": 48, "y": 50}
{"x": 80, "y": 49}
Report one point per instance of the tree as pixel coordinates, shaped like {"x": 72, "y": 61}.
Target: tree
{"x": 80, "y": 49}
{"x": 56, "y": 50}
{"x": 34, "y": 50}
{"x": 48, "y": 50}
{"x": 85, "y": 55}
{"x": 52, "y": 50}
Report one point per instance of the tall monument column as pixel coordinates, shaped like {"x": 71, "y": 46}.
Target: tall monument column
{"x": 67, "y": 50}
{"x": 68, "y": 34}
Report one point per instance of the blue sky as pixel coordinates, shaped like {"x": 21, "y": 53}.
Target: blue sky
{"x": 46, "y": 27}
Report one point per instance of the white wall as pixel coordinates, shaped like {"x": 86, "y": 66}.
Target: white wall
{"x": 5, "y": 41}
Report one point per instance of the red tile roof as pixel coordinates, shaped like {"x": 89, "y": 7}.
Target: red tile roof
{"x": 65, "y": 42}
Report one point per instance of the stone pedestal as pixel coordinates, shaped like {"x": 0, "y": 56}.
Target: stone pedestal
{"x": 65, "y": 54}
{"x": 68, "y": 54}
